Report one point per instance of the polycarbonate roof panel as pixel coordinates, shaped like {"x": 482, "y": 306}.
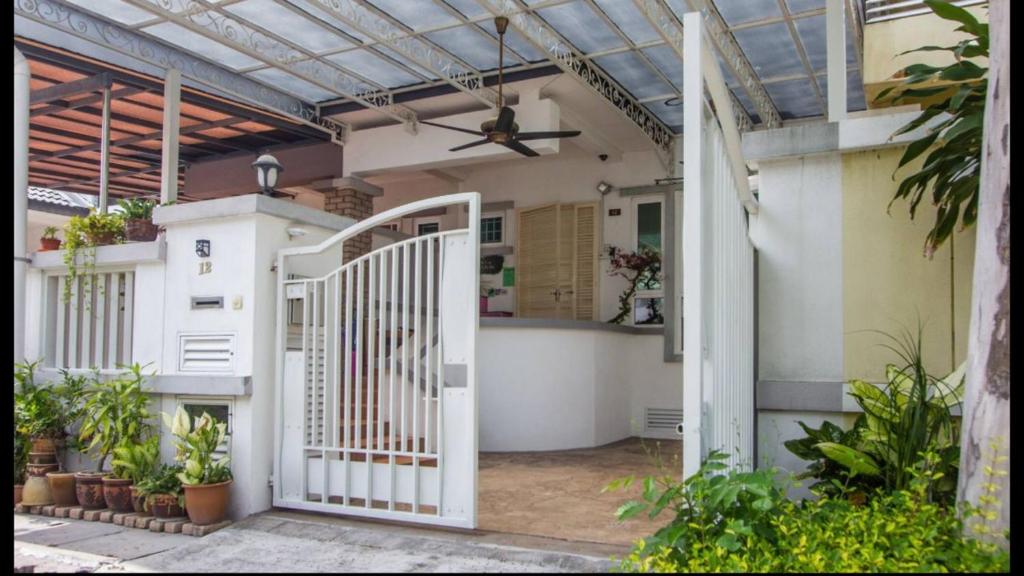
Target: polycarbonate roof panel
{"x": 293, "y": 27}
{"x": 664, "y": 57}
{"x": 370, "y": 65}
{"x": 515, "y": 42}
{"x": 456, "y": 69}
{"x": 470, "y": 45}
{"x": 328, "y": 17}
{"x": 854, "y": 90}
{"x": 670, "y": 115}
{"x": 469, "y": 8}
{"x": 291, "y": 83}
{"x": 416, "y": 15}
{"x": 629, "y": 20}
{"x": 770, "y": 50}
{"x": 201, "y": 45}
{"x": 797, "y": 6}
{"x": 630, "y": 71}
{"x": 578, "y": 24}
{"x": 812, "y": 35}
{"x": 115, "y": 10}
{"x": 741, "y": 11}
{"x": 795, "y": 98}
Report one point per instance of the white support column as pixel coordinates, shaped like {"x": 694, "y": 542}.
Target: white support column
{"x": 169, "y": 161}
{"x": 21, "y": 117}
{"x": 105, "y": 151}
{"x": 835, "y": 34}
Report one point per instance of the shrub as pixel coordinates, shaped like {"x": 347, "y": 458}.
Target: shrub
{"x": 898, "y": 531}
{"x": 82, "y": 234}
{"x": 116, "y": 412}
{"x": 196, "y": 446}
{"x": 137, "y": 208}
{"x": 162, "y": 481}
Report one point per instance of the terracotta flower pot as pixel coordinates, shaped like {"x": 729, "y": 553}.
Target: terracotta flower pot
{"x": 117, "y": 493}
{"x": 41, "y": 470}
{"x": 17, "y": 493}
{"x": 139, "y": 503}
{"x": 36, "y": 492}
{"x": 165, "y": 506}
{"x": 89, "y": 490}
{"x": 101, "y": 238}
{"x": 42, "y": 458}
{"x": 139, "y": 230}
{"x": 62, "y": 487}
{"x": 41, "y": 445}
{"x": 48, "y": 244}
{"x": 207, "y": 503}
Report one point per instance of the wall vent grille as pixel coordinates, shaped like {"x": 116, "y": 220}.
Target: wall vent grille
{"x": 662, "y": 421}
{"x": 206, "y": 352}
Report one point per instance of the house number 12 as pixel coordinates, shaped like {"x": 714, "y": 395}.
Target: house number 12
{"x": 205, "y": 267}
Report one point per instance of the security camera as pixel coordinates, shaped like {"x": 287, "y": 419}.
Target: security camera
{"x": 602, "y": 157}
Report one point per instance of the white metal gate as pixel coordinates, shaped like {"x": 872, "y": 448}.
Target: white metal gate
{"x": 718, "y": 264}
{"x": 376, "y": 374}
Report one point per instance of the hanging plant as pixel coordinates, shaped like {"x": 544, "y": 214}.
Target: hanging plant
{"x": 82, "y": 234}
{"x": 640, "y": 267}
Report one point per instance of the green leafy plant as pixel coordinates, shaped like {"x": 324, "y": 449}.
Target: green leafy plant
{"x": 899, "y": 531}
{"x": 115, "y": 412}
{"x": 21, "y": 448}
{"x": 640, "y": 268}
{"x": 832, "y": 477}
{"x": 136, "y": 208}
{"x": 953, "y": 167}
{"x": 50, "y": 233}
{"x": 196, "y": 445}
{"x": 136, "y": 461}
{"x": 82, "y": 234}
{"x": 37, "y": 407}
{"x": 163, "y": 480}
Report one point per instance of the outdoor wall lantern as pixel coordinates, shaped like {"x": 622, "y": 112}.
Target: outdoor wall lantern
{"x": 267, "y": 168}
{"x": 604, "y": 188}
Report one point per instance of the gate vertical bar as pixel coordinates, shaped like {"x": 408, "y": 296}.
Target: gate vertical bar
{"x": 346, "y": 406}
{"x": 359, "y": 379}
{"x": 395, "y": 308}
{"x": 371, "y": 281}
{"x": 416, "y": 382}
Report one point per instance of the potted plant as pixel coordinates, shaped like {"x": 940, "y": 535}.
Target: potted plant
{"x": 20, "y": 459}
{"x": 115, "y": 412}
{"x": 138, "y": 219}
{"x": 49, "y": 240}
{"x": 37, "y": 415}
{"x": 70, "y": 393}
{"x": 206, "y": 481}
{"x": 161, "y": 493}
{"x": 82, "y": 234}
{"x": 133, "y": 463}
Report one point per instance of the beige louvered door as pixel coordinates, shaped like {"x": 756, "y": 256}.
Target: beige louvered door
{"x": 537, "y": 262}
{"x": 557, "y": 262}
{"x": 585, "y": 247}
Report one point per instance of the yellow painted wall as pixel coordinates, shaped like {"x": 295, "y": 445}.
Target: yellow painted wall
{"x": 887, "y": 281}
{"x": 883, "y": 41}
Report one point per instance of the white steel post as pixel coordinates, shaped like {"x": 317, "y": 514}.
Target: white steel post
{"x": 169, "y": 161}
{"x": 835, "y": 39}
{"x": 105, "y": 150}
{"x": 21, "y": 117}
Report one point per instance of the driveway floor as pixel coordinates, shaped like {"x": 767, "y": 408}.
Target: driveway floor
{"x": 558, "y": 494}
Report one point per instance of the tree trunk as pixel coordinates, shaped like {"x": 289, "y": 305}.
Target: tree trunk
{"x": 986, "y": 416}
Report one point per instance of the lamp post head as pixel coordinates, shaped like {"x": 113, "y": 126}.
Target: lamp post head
{"x": 267, "y": 168}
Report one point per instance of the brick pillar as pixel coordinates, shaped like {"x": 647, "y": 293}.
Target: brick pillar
{"x": 352, "y": 197}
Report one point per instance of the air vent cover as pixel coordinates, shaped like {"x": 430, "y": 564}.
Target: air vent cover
{"x": 206, "y": 352}
{"x": 662, "y": 422}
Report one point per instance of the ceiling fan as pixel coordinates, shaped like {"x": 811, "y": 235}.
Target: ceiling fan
{"x": 503, "y": 130}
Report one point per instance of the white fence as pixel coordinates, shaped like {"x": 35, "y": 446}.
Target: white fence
{"x": 376, "y": 381}
{"x": 718, "y": 279}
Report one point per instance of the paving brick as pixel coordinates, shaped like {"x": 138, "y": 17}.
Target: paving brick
{"x": 76, "y": 512}
{"x": 174, "y": 527}
{"x": 209, "y": 528}
{"x": 142, "y": 522}
{"x": 61, "y": 511}
{"x": 187, "y": 528}
{"x": 93, "y": 515}
{"x": 107, "y": 516}
{"x": 48, "y": 510}
{"x": 35, "y": 509}
{"x": 119, "y": 518}
{"x": 21, "y": 509}
{"x": 164, "y": 524}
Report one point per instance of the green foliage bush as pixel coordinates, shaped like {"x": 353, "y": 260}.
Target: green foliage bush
{"x": 196, "y": 446}
{"x": 116, "y": 412}
{"x": 742, "y": 522}
{"x": 82, "y": 234}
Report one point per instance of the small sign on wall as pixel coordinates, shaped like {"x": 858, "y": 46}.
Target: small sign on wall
{"x": 508, "y": 277}
{"x": 203, "y": 248}
{"x": 615, "y": 211}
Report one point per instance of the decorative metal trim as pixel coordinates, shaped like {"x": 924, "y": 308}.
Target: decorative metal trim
{"x": 64, "y": 18}
{"x": 232, "y": 32}
{"x": 737, "y": 62}
{"x": 670, "y": 30}
{"x": 566, "y": 58}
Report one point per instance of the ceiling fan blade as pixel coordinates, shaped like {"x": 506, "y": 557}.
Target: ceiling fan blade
{"x": 470, "y": 145}
{"x": 506, "y": 118}
{"x": 521, "y": 148}
{"x": 457, "y": 129}
{"x": 543, "y": 135}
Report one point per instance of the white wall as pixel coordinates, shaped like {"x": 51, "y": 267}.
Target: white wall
{"x": 578, "y": 389}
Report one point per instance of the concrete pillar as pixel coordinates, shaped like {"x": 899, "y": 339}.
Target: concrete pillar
{"x": 172, "y": 119}
{"x": 21, "y": 117}
{"x": 352, "y": 197}
{"x": 105, "y": 152}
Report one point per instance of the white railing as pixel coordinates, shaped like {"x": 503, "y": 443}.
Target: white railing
{"x": 369, "y": 422}
{"x": 87, "y": 321}
{"x": 882, "y": 10}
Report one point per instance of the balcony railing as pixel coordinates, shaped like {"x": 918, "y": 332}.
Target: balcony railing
{"x": 882, "y": 10}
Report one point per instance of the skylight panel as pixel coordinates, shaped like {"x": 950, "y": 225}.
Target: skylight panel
{"x": 514, "y": 41}
{"x": 373, "y": 67}
{"x": 770, "y": 50}
{"x": 740, "y": 12}
{"x": 812, "y": 34}
{"x": 854, "y": 90}
{"x": 293, "y": 27}
{"x": 632, "y": 23}
{"x": 664, "y": 57}
{"x": 578, "y": 24}
{"x": 630, "y": 71}
{"x": 471, "y": 46}
{"x": 468, "y": 8}
{"x": 198, "y": 44}
{"x": 290, "y": 83}
{"x": 329, "y": 18}
{"x": 795, "y": 98}
{"x": 416, "y": 15}
{"x": 797, "y": 6}
{"x": 427, "y": 73}
{"x": 116, "y": 10}
{"x": 672, "y": 116}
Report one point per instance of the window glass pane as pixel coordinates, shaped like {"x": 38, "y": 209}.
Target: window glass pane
{"x": 648, "y": 311}
{"x": 427, "y": 228}
{"x": 648, "y": 225}
{"x": 217, "y": 411}
{"x": 490, "y": 230}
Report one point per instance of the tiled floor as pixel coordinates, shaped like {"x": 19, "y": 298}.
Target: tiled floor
{"x": 558, "y": 494}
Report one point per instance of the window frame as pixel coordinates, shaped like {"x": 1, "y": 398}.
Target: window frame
{"x": 417, "y": 222}
{"x": 504, "y": 230}
{"x": 635, "y": 238}
{"x": 182, "y": 401}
